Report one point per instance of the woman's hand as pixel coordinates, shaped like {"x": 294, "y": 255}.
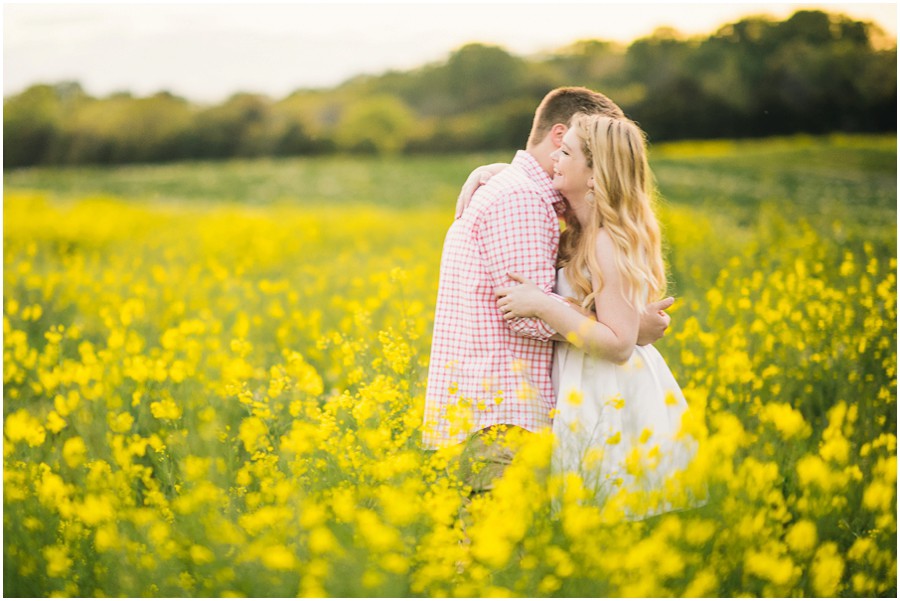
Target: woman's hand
{"x": 654, "y": 321}
{"x": 524, "y": 300}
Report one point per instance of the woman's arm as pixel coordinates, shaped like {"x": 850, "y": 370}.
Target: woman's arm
{"x": 476, "y": 179}
{"x": 618, "y": 322}
{"x": 614, "y": 333}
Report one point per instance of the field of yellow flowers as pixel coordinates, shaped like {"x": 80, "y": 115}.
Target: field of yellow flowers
{"x": 219, "y": 399}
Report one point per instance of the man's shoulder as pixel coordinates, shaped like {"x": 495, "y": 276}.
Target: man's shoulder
{"x": 510, "y": 185}
{"x": 513, "y": 178}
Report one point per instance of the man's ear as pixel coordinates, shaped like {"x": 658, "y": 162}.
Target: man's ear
{"x": 557, "y": 132}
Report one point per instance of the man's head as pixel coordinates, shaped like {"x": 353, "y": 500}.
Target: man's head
{"x": 553, "y": 116}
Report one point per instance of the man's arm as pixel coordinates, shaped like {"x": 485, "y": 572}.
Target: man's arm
{"x": 520, "y": 235}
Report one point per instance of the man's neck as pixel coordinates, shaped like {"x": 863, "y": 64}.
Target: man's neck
{"x": 541, "y": 154}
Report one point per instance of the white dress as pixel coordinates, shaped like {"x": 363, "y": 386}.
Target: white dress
{"x": 618, "y": 426}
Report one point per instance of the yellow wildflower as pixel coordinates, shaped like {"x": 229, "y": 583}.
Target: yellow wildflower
{"x": 65, "y": 405}
{"x": 74, "y": 451}
{"x": 788, "y": 421}
{"x": 802, "y": 537}
{"x": 780, "y": 571}
{"x": 107, "y": 537}
{"x": 165, "y": 409}
{"x": 704, "y": 584}
{"x": 812, "y": 470}
{"x": 196, "y": 468}
{"x": 322, "y": 541}
{"x": 574, "y": 397}
{"x": 879, "y": 496}
{"x": 252, "y": 433}
{"x": 52, "y": 491}
{"x": 95, "y": 509}
{"x": 201, "y": 555}
{"x": 827, "y": 571}
{"x": 58, "y": 561}
{"x": 278, "y": 557}
{"x": 120, "y": 423}
{"x": 55, "y": 423}
{"x": 21, "y": 425}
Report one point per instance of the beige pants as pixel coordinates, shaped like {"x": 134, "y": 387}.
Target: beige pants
{"x": 484, "y": 459}
{"x": 487, "y": 454}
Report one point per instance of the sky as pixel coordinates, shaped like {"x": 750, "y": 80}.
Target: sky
{"x": 206, "y": 51}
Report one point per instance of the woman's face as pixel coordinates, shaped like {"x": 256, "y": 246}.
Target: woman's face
{"x": 571, "y": 174}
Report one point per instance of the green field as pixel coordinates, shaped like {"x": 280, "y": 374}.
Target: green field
{"x": 213, "y": 379}
{"x": 734, "y": 173}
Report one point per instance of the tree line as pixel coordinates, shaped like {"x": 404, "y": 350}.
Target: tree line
{"x": 814, "y": 72}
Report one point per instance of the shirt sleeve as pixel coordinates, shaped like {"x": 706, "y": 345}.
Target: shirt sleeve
{"x": 520, "y": 234}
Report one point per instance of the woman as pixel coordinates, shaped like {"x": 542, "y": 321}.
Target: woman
{"x": 619, "y": 409}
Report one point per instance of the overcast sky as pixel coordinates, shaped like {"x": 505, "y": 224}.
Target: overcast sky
{"x": 206, "y": 51}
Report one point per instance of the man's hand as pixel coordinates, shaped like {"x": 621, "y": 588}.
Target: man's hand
{"x": 654, "y": 321}
{"x": 476, "y": 179}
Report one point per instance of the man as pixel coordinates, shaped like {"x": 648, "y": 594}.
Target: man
{"x": 490, "y": 377}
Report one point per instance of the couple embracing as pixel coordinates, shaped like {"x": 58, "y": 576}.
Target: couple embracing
{"x": 534, "y": 329}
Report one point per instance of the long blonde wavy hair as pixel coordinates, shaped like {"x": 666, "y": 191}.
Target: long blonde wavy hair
{"x": 616, "y": 152}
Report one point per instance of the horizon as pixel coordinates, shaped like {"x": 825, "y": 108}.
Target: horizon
{"x": 240, "y": 48}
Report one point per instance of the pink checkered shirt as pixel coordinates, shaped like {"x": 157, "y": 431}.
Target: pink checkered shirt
{"x": 485, "y": 370}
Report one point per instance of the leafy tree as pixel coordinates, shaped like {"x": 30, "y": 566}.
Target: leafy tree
{"x": 297, "y": 124}
{"x": 673, "y": 103}
{"x": 474, "y": 76}
{"x": 237, "y": 128}
{"x": 31, "y": 124}
{"x": 381, "y": 124}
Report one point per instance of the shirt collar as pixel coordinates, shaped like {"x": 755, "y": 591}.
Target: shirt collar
{"x": 541, "y": 178}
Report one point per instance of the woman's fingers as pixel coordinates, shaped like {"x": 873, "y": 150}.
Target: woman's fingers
{"x": 504, "y": 305}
